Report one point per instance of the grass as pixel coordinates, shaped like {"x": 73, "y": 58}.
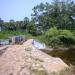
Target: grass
{"x": 7, "y": 33}
{"x": 3, "y": 36}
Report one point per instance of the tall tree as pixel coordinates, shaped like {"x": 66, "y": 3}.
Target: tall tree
{"x": 56, "y": 14}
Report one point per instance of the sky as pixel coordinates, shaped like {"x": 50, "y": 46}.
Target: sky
{"x": 18, "y": 9}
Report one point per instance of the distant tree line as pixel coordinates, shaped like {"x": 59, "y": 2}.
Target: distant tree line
{"x": 59, "y": 13}
{"x": 25, "y": 25}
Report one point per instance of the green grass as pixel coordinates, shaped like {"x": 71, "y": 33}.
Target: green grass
{"x": 3, "y": 36}
{"x": 7, "y": 34}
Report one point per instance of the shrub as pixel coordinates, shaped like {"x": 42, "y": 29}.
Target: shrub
{"x": 59, "y": 38}
{"x": 67, "y": 38}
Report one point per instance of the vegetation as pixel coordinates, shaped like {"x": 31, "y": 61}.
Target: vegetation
{"x": 59, "y": 14}
{"x": 8, "y": 33}
{"x": 59, "y": 38}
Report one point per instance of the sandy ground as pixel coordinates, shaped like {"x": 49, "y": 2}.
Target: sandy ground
{"x": 25, "y": 59}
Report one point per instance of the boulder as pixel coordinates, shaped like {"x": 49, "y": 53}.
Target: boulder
{"x": 25, "y": 59}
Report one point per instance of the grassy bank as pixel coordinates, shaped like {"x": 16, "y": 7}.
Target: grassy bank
{"x": 6, "y": 34}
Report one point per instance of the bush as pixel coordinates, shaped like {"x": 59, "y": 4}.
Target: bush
{"x": 59, "y": 38}
{"x": 53, "y": 32}
{"x": 50, "y": 37}
{"x": 67, "y": 38}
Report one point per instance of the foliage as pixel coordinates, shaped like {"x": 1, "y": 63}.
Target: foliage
{"x": 67, "y": 38}
{"x": 58, "y": 13}
{"x": 59, "y": 38}
{"x": 31, "y": 28}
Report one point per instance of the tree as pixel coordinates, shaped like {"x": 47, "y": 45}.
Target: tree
{"x": 12, "y": 25}
{"x": 25, "y": 23}
{"x": 56, "y": 14}
{"x": 31, "y": 28}
{"x": 19, "y": 25}
{"x": 39, "y": 15}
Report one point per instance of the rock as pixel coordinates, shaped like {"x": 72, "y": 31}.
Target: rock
{"x": 25, "y": 59}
